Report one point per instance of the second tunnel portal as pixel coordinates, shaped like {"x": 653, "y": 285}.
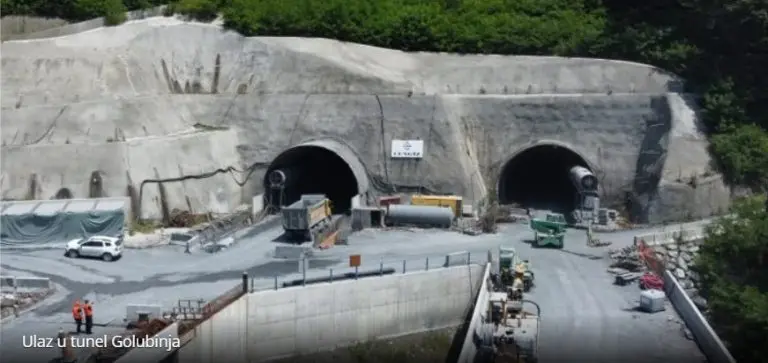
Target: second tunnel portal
{"x": 311, "y": 169}
{"x": 539, "y": 177}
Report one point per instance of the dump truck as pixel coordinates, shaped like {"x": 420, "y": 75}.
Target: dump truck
{"x": 510, "y": 265}
{"x": 302, "y": 219}
{"x": 549, "y": 231}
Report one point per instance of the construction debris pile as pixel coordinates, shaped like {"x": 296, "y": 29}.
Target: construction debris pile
{"x": 629, "y": 266}
{"x": 627, "y": 259}
{"x": 14, "y": 303}
{"x": 512, "y": 214}
{"x": 185, "y": 219}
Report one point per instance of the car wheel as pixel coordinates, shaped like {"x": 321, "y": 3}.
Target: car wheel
{"x": 72, "y": 254}
{"x": 107, "y": 257}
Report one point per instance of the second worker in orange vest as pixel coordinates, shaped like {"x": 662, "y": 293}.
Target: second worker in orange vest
{"x": 88, "y": 309}
{"x": 77, "y": 314}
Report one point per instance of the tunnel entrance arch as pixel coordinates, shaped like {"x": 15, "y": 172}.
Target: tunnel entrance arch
{"x": 538, "y": 177}
{"x": 323, "y": 166}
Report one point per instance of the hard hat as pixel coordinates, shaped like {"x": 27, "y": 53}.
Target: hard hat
{"x": 520, "y": 269}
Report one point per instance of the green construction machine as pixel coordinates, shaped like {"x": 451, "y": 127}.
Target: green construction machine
{"x": 549, "y": 231}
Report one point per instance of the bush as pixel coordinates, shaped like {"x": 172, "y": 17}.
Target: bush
{"x": 470, "y": 26}
{"x": 114, "y": 12}
{"x": 732, "y": 266}
{"x": 742, "y": 153}
{"x": 201, "y": 10}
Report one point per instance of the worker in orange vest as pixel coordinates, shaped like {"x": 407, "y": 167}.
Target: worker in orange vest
{"x": 77, "y": 314}
{"x": 88, "y": 308}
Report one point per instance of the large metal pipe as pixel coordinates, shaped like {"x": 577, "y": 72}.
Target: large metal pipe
{"x": 419, "y": 215}
{"x": 285, "y": 177}
{"x": 583, "y": 179}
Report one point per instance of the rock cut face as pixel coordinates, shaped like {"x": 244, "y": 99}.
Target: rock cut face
{"x": 204, "y": 112}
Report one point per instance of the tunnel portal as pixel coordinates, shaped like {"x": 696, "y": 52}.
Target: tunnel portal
{"x": 310, "y": 169}
{"x": 539, "y": 178}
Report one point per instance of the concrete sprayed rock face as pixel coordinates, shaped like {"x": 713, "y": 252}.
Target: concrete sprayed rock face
{"x": 206, "y": 112}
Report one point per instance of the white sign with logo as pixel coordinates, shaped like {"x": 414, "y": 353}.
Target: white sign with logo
{"x": 407, "y": 149}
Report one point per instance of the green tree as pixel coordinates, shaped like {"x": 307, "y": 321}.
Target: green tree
{"x": 112, "y": 10}
{"x": 733, "y": 266}
{"x": 742, "y": 153}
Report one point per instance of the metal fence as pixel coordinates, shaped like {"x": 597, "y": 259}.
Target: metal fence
{"x": 306, "y": 275}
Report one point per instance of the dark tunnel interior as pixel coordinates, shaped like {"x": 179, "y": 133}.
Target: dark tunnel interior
{"x": 539, "y": 178}
{"x": 312, "y": 170}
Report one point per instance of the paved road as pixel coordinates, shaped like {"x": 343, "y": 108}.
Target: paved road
{"x": 584, "y": 314}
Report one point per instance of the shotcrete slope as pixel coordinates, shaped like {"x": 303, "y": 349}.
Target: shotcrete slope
{"x": 161, "y": 98}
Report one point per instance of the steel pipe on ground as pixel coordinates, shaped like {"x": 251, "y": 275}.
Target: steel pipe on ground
{"x": 419, "y": 215}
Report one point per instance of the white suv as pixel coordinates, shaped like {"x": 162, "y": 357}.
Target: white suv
{"x": 106, "y": 248}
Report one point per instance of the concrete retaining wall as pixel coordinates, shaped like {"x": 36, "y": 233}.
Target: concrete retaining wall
{"x": 154, "y": 354}
{"x": 10, "y": 283}
{"x": 469, "y": 348}
{"x": 708, "y": 340}
{"x": 272, "y": 324}
{"x": 222, "y": 337}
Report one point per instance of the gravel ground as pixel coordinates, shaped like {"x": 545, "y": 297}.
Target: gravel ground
{"x": 584, "y": 316}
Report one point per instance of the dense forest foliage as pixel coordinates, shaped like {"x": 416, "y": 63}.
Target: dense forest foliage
{"x": 719, "y": 46}
{"x": 733, "y": 266}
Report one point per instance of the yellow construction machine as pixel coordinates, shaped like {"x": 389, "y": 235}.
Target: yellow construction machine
{"x": 510, "y": 333}
{"x": 510, "y": 266}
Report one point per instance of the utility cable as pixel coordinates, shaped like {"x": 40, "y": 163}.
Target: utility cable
{"x": 383, "y": 139}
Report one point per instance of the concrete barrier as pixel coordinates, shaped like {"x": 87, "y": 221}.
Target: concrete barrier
{"x": 659, "y": 238}
{"x": 469, "y": 348}
{"x": 367, "y": 217}
{"x": 358, "y": 201}
{"x": 257, "y": 206}
{"x": 272, "y": 324}
{"x": 708, "y": 340}
{"x": 11, "y": 283}
{"x": 153, "y": 354}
